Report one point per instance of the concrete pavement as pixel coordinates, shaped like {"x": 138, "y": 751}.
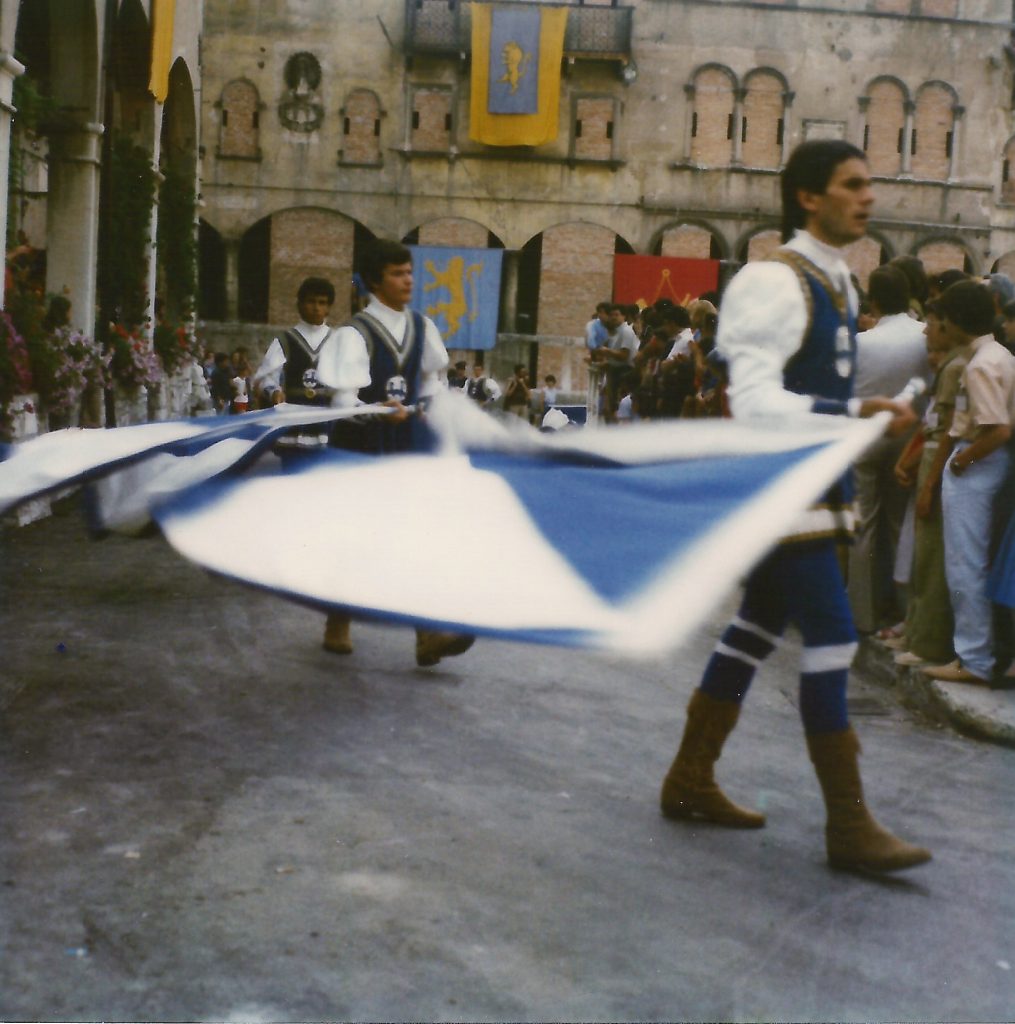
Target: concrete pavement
{"x": 206, "y": 817}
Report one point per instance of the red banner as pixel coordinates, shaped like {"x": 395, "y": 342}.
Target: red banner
{"x": 646, "y": 279}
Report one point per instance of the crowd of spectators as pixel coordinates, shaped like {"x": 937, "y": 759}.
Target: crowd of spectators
{"x": 933, "y": 563}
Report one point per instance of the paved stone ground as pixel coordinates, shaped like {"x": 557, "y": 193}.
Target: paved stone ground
{"x": 206, "y": 817}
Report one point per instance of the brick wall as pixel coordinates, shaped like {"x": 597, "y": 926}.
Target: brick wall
{"x": 1006, "y": 265}
{"x": 939, "y": 256}
{"x": 886, "y": 118}
{"x": 933, "y": 121}
{"x": 762, "y": 245}
{"x": 593, "y": 128}
{"x": 240, "y": 120}
{"x": 688, "y": 241}
{"x": 361, "y": 127}
{"x": 454, "y": 231}
{"x": 940, "y": 8}
{"x": 304, "y": 243}
{"x": 431, "y": 119}
{"x": 862, "y": 257}
{"x": 711, "y": 144}
{"x": 762, "y": 111}
{"x": 576, "y": 273}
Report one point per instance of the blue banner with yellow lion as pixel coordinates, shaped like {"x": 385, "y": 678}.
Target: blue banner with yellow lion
{"x": 459, "y": 289}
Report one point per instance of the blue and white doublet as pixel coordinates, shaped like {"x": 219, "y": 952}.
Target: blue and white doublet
{"x": 788, "y": 329}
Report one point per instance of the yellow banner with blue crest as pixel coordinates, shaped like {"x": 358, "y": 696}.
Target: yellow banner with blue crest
{"x": 516, "y": 55}
{"x": 163, "y": 15}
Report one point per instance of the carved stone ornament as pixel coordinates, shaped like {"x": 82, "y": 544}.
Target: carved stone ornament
{"x": 300, "y": 110}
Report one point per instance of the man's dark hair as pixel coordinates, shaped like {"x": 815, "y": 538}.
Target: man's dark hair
{"x": 620, "y": 306}
{"x": 948, "y": 277}
{"x": 381, "y": 253}
{"x": 460, "y": 365}
{"x": 221, "y": 358}
{"x": 314, "y": 286}
{"x": 1008, "y": 311}
{"x": 970, "y": 306}
{"x": 810, "y": 169}
{"x": 676, "y": 315}
{"x": 604, "y": 307}
{"x": 888, "y": 289}
{"x": 912, "y": 267}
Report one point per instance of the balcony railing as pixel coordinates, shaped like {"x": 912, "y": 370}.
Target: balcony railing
{"x": 443, "y": 28}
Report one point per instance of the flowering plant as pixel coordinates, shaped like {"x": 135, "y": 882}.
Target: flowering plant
{"x": 175, "y": 345}
{"x": 15, "y": 370}
{"x": 73, "y": 361}
{"x": 134, "y": 363}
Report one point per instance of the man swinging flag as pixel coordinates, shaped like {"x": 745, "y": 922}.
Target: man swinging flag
{"x": 516, "y": 54}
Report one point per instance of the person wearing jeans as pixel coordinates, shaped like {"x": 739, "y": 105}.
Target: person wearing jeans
{"x": 976, "y": 471}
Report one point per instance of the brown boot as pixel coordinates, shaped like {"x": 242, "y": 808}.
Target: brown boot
{"x": 853, "y": 838}
{"x": 336, "y": 634}
{"x": 431, "y": 646}
{"x": 689, "y": 789}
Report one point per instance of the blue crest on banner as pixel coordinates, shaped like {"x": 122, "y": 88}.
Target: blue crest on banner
{"x": 514, "y": 62}
{"x": 459, "y": 289}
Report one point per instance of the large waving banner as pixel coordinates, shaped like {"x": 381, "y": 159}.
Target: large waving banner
{"x": 516, "y": 55}
{"x": 459, "y": 289}
{"x": 689, "y": 506}
{"x": 646, "y": 279}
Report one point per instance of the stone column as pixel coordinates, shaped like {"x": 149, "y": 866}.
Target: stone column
{"x": 736, "y": 154}
{"x": 957, "y": 112}
{"x": 232, "y": 247}
{"x": 509, "y": 291}
{"x": 72, "y": 219}
{"x": 9, "y": 70}
{"x": 906, "y": 166}
{"x": 690, "y": 91}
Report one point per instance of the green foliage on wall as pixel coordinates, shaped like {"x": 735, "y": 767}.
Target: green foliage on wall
{"x": 177, "y": 242}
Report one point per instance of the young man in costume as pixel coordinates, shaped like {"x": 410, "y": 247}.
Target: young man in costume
{"x": 788, "y": 330}
{"x": 288, "y": 371}
{"x": 389, "y": 354}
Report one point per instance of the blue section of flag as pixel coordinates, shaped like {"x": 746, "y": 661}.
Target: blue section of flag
{"x": 459, "y": 289}
{"x": 674, "y": 504}
{"x": 514, "y": 62}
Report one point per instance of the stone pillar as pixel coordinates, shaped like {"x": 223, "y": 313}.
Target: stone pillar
{"x": 72, "y": 219}
{"x": 739, "y": 95}
{"x": 690, "y": 92}
{"x": 9, "y": 70}
{"x": 509, "y": 291}
{"x": 232, "y": 247}
{"x": 957, "y": 112}
{"x": 787, "y": 103}
{"x": 906, "y": 166}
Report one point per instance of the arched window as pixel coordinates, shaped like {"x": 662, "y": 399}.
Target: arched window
{"x": 240, "y": 117}
{"x": 431, "y": 118}
{"x": 1008, "y": 172}
{"x": 712, "y": 127}
{"x": 361, "y": 128}
{"x": 762, "y": 245}
{"x": 941, "y": 254}
{"x": 884, "y": 132}
{"x": 933, "y": 131}
{"x": 762, "y": 125}
{"x": 594, "y": 121}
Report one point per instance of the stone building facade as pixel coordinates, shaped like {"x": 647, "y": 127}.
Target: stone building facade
{"x": 328, "y": 122}
{"x": 91, "y": 60}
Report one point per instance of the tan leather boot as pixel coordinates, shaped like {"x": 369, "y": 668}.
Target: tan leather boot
{"x": 853, "y": 838}
{"x": 431, "y": 646}
{"x": 336, "y": 634}
{"x": 689, "y": 789}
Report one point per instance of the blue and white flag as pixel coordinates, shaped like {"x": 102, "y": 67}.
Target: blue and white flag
{"x": 459, "y": 289}
{"x": 619, "y": 539}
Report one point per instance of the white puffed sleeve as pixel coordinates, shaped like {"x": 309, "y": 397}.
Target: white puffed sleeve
{"x": 344, "y": 365}
{"x": 268, "y": 376}
{"x": 761, "y": 325}
{"x": 434, "y": 360}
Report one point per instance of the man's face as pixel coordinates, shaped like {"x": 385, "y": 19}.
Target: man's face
{"x": 614, "y": 319}
{"x": 395, "y": 287}
{"x": 314, "y": 309}
{"x": 937, "y": 340}
{"x": 477, "y": 371}
{"x": 839, "y": 215}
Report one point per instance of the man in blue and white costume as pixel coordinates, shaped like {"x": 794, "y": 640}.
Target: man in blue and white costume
{"x": 387, "y": 354}
{"x": 788, "y": 330}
